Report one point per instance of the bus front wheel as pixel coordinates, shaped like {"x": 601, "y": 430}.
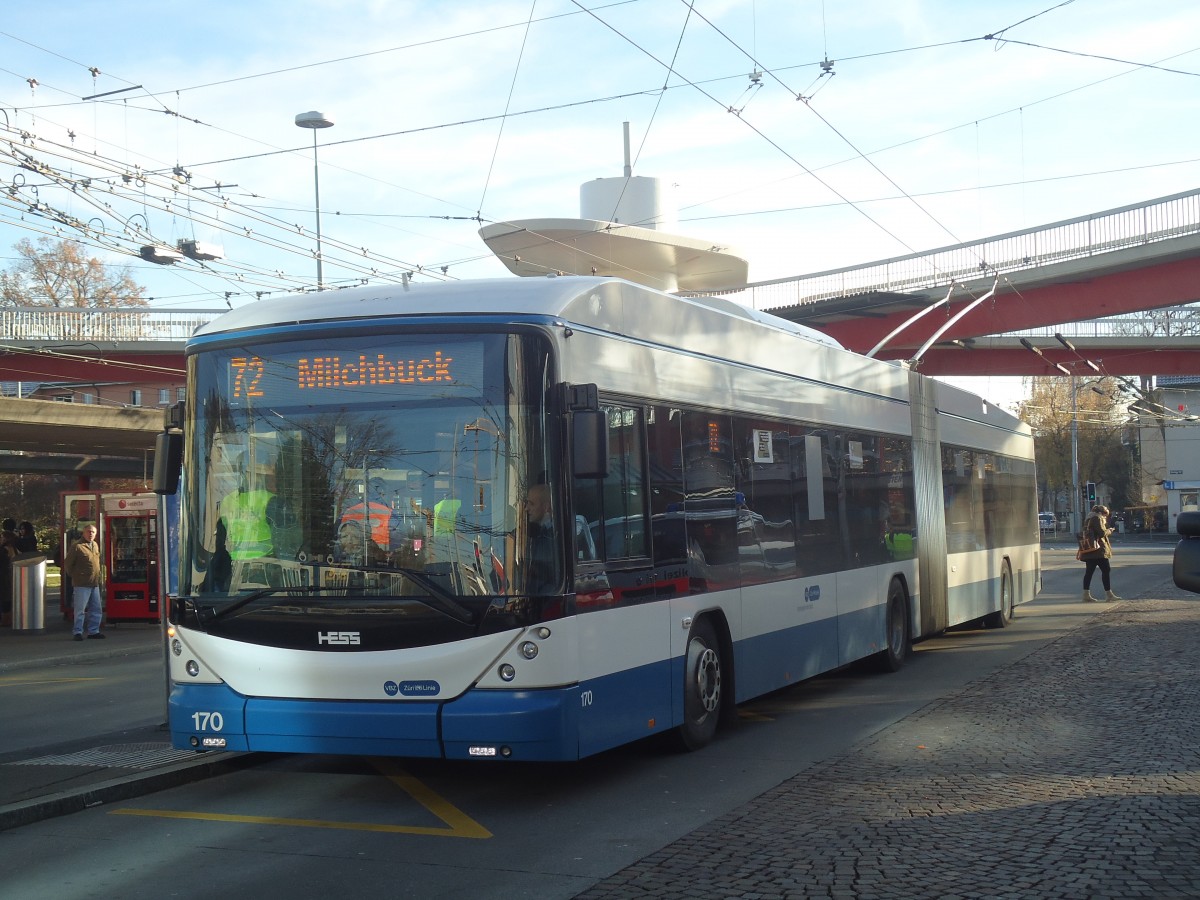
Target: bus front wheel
{"x": 701, "y": 687}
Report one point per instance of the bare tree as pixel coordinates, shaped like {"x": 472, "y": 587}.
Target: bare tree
{"x": 1100, "y": 416}
{"x": 58, "y": 274}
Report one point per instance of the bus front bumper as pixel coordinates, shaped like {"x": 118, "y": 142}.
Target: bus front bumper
{"x": 516, "y": 725}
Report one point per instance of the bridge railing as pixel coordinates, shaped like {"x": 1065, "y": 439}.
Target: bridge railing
{"x": 1103, "y": 232}
{"x": 1146, "y": 326}
{"x": 33, "y": 323}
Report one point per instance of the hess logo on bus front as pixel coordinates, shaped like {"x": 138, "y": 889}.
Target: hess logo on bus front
{"x": 339, "y": 638}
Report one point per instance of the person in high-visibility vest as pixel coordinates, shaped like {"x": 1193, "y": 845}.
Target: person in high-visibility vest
{"x": 445, "y": 515}
{"x": 247, "y": 527}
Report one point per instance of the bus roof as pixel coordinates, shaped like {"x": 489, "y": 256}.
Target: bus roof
{"x": 705, "y": 325}
{"x": 565, "y": 297}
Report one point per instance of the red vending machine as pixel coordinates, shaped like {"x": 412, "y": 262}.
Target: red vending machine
{"x": 130, "y": 541}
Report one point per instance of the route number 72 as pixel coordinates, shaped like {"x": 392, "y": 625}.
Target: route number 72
{"x": 248, "y": 372}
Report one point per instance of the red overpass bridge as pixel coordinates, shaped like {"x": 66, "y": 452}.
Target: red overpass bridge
{"x": 1060, "y": 277}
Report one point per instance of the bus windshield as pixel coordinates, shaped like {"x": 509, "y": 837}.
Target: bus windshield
{"x": 391, "y": 467}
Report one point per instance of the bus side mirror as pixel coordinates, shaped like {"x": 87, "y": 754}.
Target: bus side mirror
{"x": 1186, "y": 566}
{"x": 589, "y": 443}
{"x": 168, "y": 462}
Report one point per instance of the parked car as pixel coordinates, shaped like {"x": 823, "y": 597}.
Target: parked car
{"x": 1186, "y": 565}
{"x": 1047, "y": 523}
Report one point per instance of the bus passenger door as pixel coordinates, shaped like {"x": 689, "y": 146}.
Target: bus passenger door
{"x": 623, "y": 633}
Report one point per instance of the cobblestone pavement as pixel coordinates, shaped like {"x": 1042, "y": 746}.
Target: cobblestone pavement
{"x": 1074, "y": 773}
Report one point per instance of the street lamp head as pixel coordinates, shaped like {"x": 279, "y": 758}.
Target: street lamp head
{"x": 313, "y": 119}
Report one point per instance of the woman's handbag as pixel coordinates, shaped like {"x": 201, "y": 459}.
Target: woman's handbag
{"x": 1088, "y": 544}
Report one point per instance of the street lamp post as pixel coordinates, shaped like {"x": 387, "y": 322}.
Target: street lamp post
{"x": 315, "y": 121}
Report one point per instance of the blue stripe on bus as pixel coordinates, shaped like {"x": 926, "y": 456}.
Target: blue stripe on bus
{"x": 770, "y": 661}
{"x": 552, "y": 724}
{"x": 341, "y": 726}
{"x": 302, "y": 726}
{"x": 565, "y": 723}
{"x": 531, "y": 725}
{"x": 190, "y": 713}
{"x": 627, "y": 706}
{"x": 972, "y": 600}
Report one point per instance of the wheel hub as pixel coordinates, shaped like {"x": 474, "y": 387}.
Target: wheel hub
{"x": 708, "y": 679}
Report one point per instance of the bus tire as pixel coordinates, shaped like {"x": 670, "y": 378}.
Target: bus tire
{"x": 897, "y": 640}
{"x": 1004, "y": 615}
{"x": 702, "y": 689}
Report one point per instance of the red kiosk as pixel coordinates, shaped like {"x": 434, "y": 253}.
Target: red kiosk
{"x": 128, "y": 535}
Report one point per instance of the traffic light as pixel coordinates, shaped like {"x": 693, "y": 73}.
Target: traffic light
{"x": 1090, "y": 493}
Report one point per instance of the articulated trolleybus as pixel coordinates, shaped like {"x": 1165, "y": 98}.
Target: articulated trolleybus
{"x": 533, "y": 519}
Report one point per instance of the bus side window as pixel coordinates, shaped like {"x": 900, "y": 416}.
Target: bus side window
{"x": 709, "y": 505}
{"x": 668, "y": 536}
{"x": 614, "y": 507}
{"x": 585, "y": 547}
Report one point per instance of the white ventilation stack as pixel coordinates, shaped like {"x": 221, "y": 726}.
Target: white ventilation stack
{"x": 629, "y": 200}
{"x": 632, "y": 200}
{"x": 622, "y": 231}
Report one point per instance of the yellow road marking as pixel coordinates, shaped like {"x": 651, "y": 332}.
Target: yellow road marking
{"x": 458, "y": 823}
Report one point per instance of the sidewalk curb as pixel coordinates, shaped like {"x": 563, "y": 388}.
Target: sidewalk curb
{"x": 125, "y": 787}
{"x": 84, "y": 656}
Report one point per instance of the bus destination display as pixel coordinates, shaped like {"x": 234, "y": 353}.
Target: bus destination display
{"x": 417, "y": 371}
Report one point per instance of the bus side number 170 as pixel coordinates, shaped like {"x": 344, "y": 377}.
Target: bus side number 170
{"x": 208, "y": 721}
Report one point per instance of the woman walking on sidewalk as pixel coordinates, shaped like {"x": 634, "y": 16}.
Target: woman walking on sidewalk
{"x": 1096, "y": 527}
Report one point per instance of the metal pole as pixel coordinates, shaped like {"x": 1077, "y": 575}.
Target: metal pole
{"x": 317, "y": 192}
{"x": 314, "y": 120}
{"x": 1074, "y": 457}
{"x": 164, "y": 601}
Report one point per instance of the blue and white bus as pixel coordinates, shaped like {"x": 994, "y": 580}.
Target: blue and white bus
{"x": 534, "y": 519}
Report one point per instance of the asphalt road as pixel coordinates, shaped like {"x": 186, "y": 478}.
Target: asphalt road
{"x": 56, "y": 704}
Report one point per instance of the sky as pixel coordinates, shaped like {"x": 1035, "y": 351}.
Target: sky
{"x": 805, "y": 134}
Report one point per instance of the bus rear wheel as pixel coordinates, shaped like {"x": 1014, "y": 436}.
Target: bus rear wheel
{"x": 896, "y": 637}
{"x": 702, "y": 695}
{"x": 1004, "y": 615}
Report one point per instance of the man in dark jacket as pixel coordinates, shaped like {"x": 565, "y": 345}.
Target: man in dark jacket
{"x": 83, "y": 566}
{"x": 542, "y": 569}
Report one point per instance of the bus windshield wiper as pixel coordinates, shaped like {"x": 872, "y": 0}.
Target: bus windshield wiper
{"x": 215, "y": 614}
{"x": 442, "y": 599}
{"x": 439, "y": 598}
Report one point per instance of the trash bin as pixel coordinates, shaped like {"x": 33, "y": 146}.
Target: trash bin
{"x": 28, "y": 593}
